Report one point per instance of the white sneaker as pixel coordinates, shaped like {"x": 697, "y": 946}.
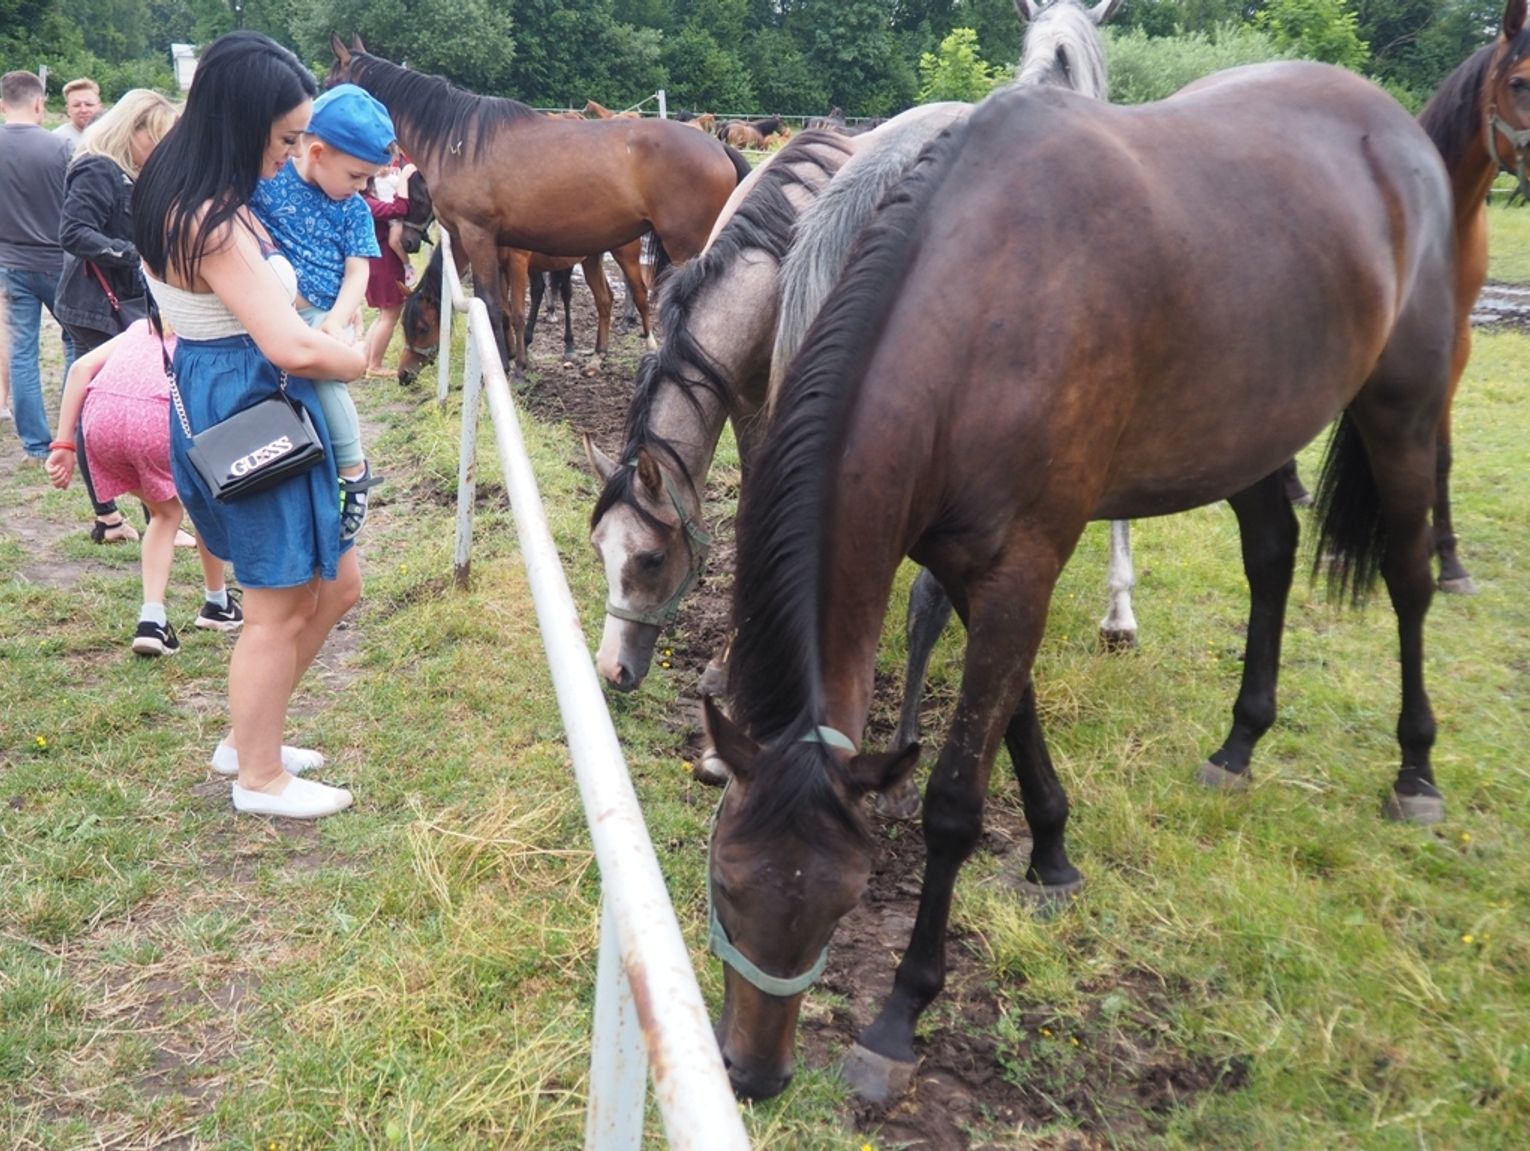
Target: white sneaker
{"x": 300, "y": 799}
{"x": 296, "y": 760}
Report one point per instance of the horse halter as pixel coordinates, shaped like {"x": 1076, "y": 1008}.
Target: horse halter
{"x": 697, "y": 541}
{"x": 717, "y": 935}
{"x": 1519, "y": 140}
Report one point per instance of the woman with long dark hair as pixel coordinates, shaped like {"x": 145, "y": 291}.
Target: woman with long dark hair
{"x": 216, "y": 276}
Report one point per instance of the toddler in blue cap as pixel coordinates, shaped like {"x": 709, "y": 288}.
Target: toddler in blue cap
{"x": 314, "y": 211}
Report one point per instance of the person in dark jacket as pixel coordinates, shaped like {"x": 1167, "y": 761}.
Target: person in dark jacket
{"x": 102, "y": 291}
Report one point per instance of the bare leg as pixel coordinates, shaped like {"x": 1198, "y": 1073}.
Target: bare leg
{"x": 380, "y": 335}
{"x": 158, "y": 548}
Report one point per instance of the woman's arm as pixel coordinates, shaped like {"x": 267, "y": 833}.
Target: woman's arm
{"x": 90, "y": 200}
{"x": 238, "y": 274}
{"x": 60, "y": 463}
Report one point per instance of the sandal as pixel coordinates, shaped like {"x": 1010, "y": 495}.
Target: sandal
{"x": 353, "y": 501}
{"x": 119, "y": 532}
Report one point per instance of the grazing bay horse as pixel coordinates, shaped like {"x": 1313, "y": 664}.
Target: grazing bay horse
{"x": 504, "y": 175}
{"x": 749, "y": 133}
{"x": 1268, "y": 250}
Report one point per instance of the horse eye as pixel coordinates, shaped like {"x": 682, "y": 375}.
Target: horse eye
{"x": 651, "y": 561}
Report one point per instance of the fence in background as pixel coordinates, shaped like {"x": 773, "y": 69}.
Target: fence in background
{"x": 649, "y": 1013}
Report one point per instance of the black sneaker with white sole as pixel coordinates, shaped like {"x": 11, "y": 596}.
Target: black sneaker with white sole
{"x": 155, "y": 639}
{"x": 216, "y": 618}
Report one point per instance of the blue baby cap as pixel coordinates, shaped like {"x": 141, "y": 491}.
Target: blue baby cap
{"x": 354, "y": 121}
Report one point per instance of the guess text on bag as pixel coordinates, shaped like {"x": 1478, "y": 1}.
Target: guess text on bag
{"x": 275, "y": 450}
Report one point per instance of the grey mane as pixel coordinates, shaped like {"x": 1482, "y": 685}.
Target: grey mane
{"x": 828, "y": 229}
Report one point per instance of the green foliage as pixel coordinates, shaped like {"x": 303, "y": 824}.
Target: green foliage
{"x": 1315, "y": 30}
{"x": 784, "y": 80}
{"x": 704, "y": 74}
{"x": 467, "y": 41}
{"x": 955, "y": 71}
{"x": 851, "y": 43}
{"x": 1144, "y": 67}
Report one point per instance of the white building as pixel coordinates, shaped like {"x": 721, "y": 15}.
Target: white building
{"x": 184, "y": 59}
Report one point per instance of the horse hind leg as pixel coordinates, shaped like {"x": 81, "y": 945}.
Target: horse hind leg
{"x": 1118, "y": 630}
{"x": 1268, "y": 533}
{"x": 929, "y": 609}
{"x": 600, "y": 288}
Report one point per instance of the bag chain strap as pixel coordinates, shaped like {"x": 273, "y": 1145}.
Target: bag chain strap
{"x": 175, "y": 391}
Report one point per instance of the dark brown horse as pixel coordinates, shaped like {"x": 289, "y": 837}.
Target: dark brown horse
{"x": 1273, "y": 248}
{"x": 749, "y": 133}
{"x": 1479, "y": 119}
{"x": 503, "y": 175}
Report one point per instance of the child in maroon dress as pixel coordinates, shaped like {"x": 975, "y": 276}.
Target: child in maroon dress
{"x": 385, "y": 284}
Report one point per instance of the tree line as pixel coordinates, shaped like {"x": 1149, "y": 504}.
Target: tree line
{"x": 793, "y": 57}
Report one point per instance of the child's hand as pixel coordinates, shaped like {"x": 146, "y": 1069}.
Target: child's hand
{"x": 60, "y": 467}
{"x": 333, "y": 326}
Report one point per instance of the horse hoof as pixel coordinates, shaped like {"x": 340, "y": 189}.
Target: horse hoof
{"x": 900, "y": 806}
{"x": 711, "y": 770}
{"x": 1045, "y": 900}
{"x": 1420, "y": 810}
{"x": 875, "y": 1078}
{"x": 1460, "y": 585}
{"x": 714, "y": 680}
{"x": 1117, "y": 640}
{"x": 1220, "y": 779}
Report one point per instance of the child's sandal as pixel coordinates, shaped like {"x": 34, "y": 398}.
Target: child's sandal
{"x": 353, "y": 501}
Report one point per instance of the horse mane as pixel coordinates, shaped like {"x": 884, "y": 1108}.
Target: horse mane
{"x": 830, "y": 226}
{"x": 775, "y": 678}
{"x": 1453, "y": 116}
{"x": 764, "y": 222}
{"x": 442, "y": 119}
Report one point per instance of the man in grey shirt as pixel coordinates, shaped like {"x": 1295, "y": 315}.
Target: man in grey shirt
{"x": 82, "y": 104}
{"x": 32, "y": 166}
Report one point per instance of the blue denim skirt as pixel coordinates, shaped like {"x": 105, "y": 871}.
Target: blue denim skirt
{"x": 278, "y": 538}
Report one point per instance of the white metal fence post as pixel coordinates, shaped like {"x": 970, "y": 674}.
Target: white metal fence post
{"x": 663, "y": 106}
{"x": 619, "y": 1068}
{"x": 467, "y": 466}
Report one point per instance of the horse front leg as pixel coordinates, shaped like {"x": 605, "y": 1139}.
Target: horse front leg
{"x": 1268, "y": 531}
{"x": 1118, "y": 630}
{"x": 600, "y": 288}
{"x": 1004, "y": 628}
{"x": 483, "y": 257}
{"x": 1454, "y": 578}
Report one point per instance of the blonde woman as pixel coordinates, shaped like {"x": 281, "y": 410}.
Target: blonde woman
{"x": 101, "y": 291}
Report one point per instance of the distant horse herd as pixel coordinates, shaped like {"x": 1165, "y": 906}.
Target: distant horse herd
{"x": 1277, "y": 249}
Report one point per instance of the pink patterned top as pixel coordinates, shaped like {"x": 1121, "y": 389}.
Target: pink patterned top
{"x": 136, "y": 368}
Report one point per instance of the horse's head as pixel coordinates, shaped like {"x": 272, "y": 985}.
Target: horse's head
{"x": 647, "y": 531}
{"x": 790, "y": 856}
{"x": 421, "y": 322}
{"x": 1506, "y": 100}
{"x": 341, "y": 70}
{"x": 421, "y": 212}
{"x": 1063, "y": 45}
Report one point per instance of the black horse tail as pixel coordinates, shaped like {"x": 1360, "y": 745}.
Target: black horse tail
{"x": 741, "y": 166}
{"x": 1351, "y": 535}
{"x": 662, "y": 261}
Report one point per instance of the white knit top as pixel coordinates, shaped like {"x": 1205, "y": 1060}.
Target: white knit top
{"x": 202, "y": 315}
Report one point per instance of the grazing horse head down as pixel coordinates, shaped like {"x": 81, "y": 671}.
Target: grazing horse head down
{"x": 1272, "y": 249}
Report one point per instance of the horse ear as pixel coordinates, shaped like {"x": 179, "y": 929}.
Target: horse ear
{"x": 356, "y": 44}
{"x": 648, "y": 472}
{"x": 601, "y": 464}
{"x": 337, "y": 46}
{"x": 1103, "y": 11}
{"x": 1026, "y": 10}
{"x": 1513, "y": 19}
{"x": 882, "y": 771}
{"x": 728, "y": 740}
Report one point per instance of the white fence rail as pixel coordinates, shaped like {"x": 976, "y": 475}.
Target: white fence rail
{"x": 648, "y": 1008}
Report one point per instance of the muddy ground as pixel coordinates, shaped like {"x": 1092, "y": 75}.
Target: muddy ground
{"x": 961, "y": 1086}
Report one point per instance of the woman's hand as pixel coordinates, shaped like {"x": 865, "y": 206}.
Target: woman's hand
{"x": 60, "y": 466}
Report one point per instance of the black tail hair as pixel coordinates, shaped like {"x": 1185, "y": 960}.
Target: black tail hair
{"x": 661, "y": 259}
{"x": 741, "y": 165}
{"x": 1351, "y": 535}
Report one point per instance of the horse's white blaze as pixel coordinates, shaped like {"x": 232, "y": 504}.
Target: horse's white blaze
{"x": 616, "y": 541}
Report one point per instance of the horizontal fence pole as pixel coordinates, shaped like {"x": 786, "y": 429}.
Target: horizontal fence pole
{"x": 690, "y": 1083}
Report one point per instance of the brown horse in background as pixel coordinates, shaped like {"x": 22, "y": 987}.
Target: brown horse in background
{"x": 504, "y": 175}
{"x": 601, "y": 112}
{"x": 1272, "y": 249}
{"x": 421, "y": 322}
{"x": 749, "y": 133}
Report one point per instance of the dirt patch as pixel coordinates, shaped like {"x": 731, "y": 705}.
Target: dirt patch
{"x": 984, "y": 1080}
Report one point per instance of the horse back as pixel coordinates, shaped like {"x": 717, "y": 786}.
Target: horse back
{"x": 1167, "y": 301}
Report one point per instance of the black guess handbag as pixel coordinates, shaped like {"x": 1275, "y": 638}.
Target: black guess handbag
{"x": 253, "y": 449}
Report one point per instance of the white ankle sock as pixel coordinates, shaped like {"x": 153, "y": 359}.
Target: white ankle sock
{"x": 152, "y": 613}
{"x": 219, "y": 597}
{"x": 297, "y": 760}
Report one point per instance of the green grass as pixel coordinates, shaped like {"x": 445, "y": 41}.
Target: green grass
{"x": 418, "y": 972}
